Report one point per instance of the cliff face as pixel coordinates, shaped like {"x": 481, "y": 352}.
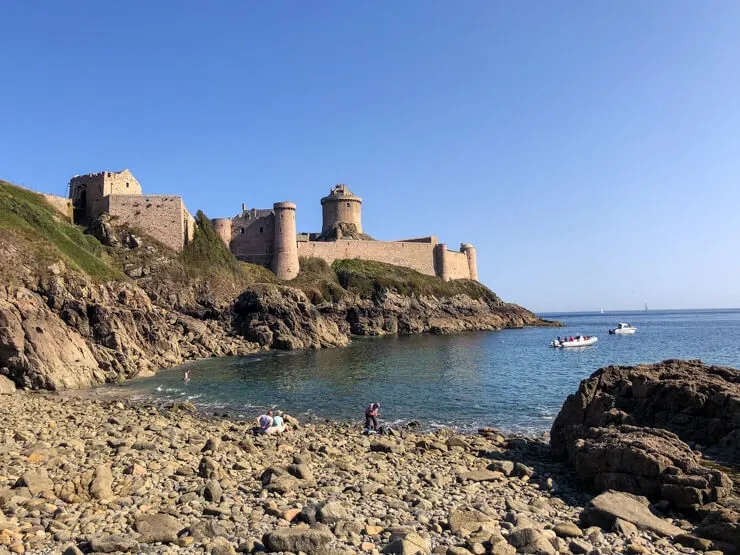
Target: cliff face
{"x": 76, "y": 311}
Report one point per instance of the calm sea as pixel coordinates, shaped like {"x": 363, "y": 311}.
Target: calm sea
{"x": 509, "y": 379}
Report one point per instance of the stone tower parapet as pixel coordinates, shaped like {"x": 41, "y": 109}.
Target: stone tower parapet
{"x": 222, "y": 226}
{"x": 469, "y": 251}
{"x": 341, "y": 206}
{"x": 285, "y": 253}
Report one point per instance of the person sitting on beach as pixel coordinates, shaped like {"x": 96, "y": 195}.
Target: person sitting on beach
{"x": 278, "y": 423}
{"x": 371, "y": 417}
{"x": 265, "y": 423}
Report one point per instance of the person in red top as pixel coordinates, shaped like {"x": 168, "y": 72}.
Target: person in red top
{"x": 371, "y": 416}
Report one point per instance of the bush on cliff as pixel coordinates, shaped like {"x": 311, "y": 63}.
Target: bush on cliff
{"x": 34, "y": 227}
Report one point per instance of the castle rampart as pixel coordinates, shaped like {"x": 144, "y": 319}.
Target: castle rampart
{"x": 417, "y": 256}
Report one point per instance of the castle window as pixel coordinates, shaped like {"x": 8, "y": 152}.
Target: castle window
{"x": 262, "y": 229}
{"x": 348, "y": 205}
{"x": 241, "y": 230}
{"x": 126, "y": 185}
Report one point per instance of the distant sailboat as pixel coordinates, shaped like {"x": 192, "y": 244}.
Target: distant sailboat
{"x": 646, "y": 308}
{"x": 602, "y": 310}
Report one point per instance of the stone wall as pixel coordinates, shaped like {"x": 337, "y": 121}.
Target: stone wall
{"x": 418, "y": 256}
{"x": 161, "y": 216}
{"x": 457, "y": 265}
{"x": 252, "y": 236}
{"x": 63, "y": 205}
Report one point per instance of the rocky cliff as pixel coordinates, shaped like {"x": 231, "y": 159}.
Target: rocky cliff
{"x": 82, "y": 309}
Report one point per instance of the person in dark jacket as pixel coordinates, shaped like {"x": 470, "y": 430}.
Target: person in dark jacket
{"x": 371, "y": 416}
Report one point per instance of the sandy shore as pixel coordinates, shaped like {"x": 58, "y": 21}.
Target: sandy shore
{"x": 94, "y": 473}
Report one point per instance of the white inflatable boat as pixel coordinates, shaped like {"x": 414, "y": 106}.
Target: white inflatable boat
{"x": 578, "y": 341}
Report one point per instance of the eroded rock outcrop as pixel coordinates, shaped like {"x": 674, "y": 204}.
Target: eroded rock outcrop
{"x": 391, "y": 313}
{"x": 69, "y": 333}
{"x": 697, "y": 402}
{"x": 283, "y": 318}
{"x": 618, "y": 429}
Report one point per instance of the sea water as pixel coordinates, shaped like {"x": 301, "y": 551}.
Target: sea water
{"x": 508, "y": 379}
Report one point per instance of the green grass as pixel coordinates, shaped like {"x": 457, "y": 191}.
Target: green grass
{"x": 35, "y": 226}
{"x": 318, "y": 281}
{"x": 368, "y": 278}
{"x": 206, "y": 253}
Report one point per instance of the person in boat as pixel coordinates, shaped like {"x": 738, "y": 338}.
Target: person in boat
{"x": 371, "y": 417}
{"x": 278, "y": 423}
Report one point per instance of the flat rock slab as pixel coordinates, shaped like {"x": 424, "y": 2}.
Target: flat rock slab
{"x": 158, "y": 528}
{"x": 308, "y": 540}
{"x": 480, "y": 476}
{"x": 465, "y": 522}
{"x": 603, "y": 510}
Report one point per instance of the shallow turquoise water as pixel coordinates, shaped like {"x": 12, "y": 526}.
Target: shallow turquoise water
{"x": 509, "y": 379}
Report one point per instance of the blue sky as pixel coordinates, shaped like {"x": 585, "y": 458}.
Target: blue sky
{"x": 590, "y": 150}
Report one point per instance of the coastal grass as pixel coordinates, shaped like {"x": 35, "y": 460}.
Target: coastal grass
{"x": 29, "y": 222}
{"x": 318, "y": 281}
{"x": 367, "y": 278}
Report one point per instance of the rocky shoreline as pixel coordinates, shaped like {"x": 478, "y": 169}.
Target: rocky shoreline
{"x": 110, "y": 475}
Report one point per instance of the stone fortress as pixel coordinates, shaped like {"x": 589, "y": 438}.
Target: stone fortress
{"x": 268, "y": 236}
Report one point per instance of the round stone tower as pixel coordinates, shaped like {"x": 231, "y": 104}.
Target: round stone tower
{"x": 341, "y": 206}
{"x": 222, "y": 226}
{"x": 469, "y": 251}
{"x": 285, "y": 250}
{"x": 441, "y": 262}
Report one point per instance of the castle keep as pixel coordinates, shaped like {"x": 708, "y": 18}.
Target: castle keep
{"x": 266, "y": 236}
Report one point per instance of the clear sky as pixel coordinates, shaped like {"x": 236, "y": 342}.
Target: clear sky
{"x": 590, "y": 150}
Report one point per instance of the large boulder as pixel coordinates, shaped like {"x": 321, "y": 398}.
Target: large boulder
{"x": 611, "y": 429}
{"x": 7, "y": 386}
{"x": 158, "y": 527}
{"x": 697, "y": 402}
{"x": 603, "y": 510}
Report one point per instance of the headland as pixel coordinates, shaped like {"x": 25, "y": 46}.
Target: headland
{"x": 115, "y": 299}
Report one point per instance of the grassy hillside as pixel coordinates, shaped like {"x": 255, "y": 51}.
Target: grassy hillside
{"x": 365, "y": 278}
{"x": 42, "y": 236}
